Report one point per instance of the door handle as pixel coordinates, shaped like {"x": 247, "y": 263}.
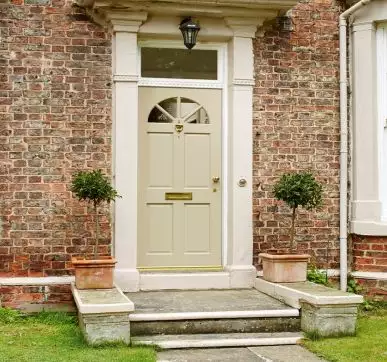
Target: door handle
{"x": 215, "y": 179}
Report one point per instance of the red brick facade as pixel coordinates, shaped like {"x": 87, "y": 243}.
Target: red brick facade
{"x": 34, "y": 298}
{"x": 296, "y": 127}
{"x": 375, "y": 289}
{"x": 55, "y": 118}
{"x": 369, "y": 253}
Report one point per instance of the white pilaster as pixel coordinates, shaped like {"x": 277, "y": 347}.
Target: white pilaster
{"x": 125, "y": 145}
{"x": 366, "y": 205}
{"x": 240, "y": 103}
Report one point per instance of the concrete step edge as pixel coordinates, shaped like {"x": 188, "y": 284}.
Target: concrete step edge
{"x": 213, "y": 341}
{"x": 276, "y": 313}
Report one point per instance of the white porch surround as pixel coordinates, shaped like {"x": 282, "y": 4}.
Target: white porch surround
{"x": 234, "y": 25}
{"x": 368, "y": 120}
{"x": 240, "y": 103}
{"x": 125, "y": 145}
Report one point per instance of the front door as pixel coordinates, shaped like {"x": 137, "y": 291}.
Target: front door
{"x": 179, "y": 178}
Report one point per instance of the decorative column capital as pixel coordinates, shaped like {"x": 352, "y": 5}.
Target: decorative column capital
{"x": 122, "y": 20}
{"x": 244, "y": 27}
{"x": 369, "y": 26}
{"x": 125, "y": 21}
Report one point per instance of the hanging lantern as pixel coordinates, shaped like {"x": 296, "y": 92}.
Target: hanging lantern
{"x": 190, "y": 30}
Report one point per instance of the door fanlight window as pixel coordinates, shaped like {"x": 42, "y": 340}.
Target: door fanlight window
{"x": 172, "y": 63}
{"x": 178, "y": 110}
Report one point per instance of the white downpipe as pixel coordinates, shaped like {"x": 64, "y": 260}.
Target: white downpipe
{"x": 344, "y": 141}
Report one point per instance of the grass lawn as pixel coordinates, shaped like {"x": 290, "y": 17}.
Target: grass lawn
{"x": 55, "y": 337}
{"x": 369, "y": 345}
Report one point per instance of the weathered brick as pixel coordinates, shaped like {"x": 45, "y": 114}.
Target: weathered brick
{"x": 295, "y": 114}
{"x": 55, "y": 105}
{"x": 369, "y": 252}
{"x": 376, "y": 289}
{"x": 33, "y": 298}
{"x": 37, "y": 212}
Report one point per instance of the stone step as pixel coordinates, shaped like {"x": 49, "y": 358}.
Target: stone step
{"x": 218, "y": 340}
{"x": 234, "y": 314}
{"x": 245, "y": 321}
{"x": 210, "y": 311}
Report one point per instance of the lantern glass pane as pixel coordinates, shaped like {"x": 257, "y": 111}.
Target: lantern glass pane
{"x": 179, "y": 63}
{"x": 190, "y": 35}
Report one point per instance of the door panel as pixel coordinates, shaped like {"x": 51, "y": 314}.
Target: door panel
{"x": 197, "y": 162}
{"x": 197, "y": 229}
{"x": 160, "y": 228}
{"x": 160, "y": 166}
{"x": 180, "y": 152}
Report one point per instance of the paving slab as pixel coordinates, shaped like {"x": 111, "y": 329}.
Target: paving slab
{"x": 209, "y": 355}
{"x": 293, "y": 293}
{"x": 91, "y": 301}
{"x": 203, "y": 301}
{"x": 250, "y": 354}
{"x": 284, "y": 354}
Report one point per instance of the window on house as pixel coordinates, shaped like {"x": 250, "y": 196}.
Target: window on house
{"x": 179, "y": 63}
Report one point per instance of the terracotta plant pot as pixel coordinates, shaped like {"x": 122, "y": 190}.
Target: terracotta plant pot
{"x": 286, "y": 268}
{"x": 94, "y": 274}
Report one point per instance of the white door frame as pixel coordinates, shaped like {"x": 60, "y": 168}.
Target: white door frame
{"x": 237, "y": 35}
{"x": 220, "y": 83}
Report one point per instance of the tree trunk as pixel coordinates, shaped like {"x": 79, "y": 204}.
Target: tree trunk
{"x": 292, "y": 231}
{"x": 96, "y": 231}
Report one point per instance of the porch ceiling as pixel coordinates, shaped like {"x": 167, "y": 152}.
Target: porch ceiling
{"x": 212, "y": 8}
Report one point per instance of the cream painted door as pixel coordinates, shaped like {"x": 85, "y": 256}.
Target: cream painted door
{"x": 179, "y": 182}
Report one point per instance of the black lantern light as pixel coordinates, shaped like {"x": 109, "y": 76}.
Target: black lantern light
{"x": 190, "y": 30}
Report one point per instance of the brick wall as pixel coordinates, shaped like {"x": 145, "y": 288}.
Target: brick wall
{"x": 374, "y": 289}
{"x": 55, "y": 118}
{"x": 296, "y": 127}
{"x": 34, "y": 298}
{"x": 369, "y": 253}
{"x": 55, "y": 108}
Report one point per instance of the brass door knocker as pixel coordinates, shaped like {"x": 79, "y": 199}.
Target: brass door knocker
{"x": 179, "y": 128}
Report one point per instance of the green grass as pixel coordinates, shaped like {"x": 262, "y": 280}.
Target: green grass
{"x": 55, "y": 337}
{"x": 369, "y": 344}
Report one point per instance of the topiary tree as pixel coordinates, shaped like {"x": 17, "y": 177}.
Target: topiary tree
{"x": 95, "y": 188}
{"x": 298, "y": 189}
